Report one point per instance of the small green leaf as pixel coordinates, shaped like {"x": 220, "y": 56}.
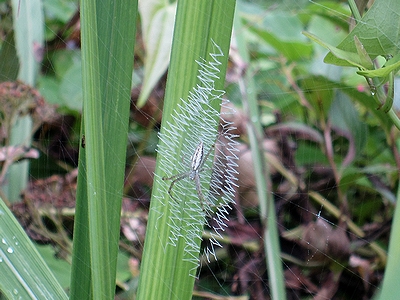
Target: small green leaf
{"x": 351, "y": 58}
{"x": 364, "y": 57}
{"x": 392, "y": 65}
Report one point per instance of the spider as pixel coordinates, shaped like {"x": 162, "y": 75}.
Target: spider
{"x": 197, "y": 162}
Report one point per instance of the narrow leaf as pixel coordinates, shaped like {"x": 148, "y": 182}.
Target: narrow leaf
{"x": 24, "y": 274}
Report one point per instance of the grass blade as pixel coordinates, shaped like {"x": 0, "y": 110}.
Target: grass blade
{"x": 108, "y": 30}
{"x": 198, "y": 24}
{"x": 24, "y": 273}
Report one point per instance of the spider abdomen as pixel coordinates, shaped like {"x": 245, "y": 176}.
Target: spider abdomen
{"x": 197, "y": 160}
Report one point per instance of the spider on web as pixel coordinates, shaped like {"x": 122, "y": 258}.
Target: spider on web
{"x": 197, "y": 161}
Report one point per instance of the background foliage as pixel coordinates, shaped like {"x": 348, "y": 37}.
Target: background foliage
{"x": 331, "y": 153}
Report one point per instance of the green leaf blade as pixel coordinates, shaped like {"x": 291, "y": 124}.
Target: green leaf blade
{"x": 24, "y": 273}
{"x": 108, "y": 30}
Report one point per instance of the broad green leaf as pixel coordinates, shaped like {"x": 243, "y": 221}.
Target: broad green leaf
{"x": 59, "y": 9}
{"x": 335, "y": 12}
{"x": 71, "y": 88}
{"x": 324, "y": 27}
{"x": 60, "y": 268}
{"x": 49, "y": 88}
{"x": 63, "y": 60}
{"x": 157, "y": 18}
{"x": 281, "y": 30}
{"x": 64, "y": 88}
{"x": 377, "y": 31}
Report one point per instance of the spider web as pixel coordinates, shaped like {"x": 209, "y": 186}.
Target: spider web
{"x": 198, "y": 121}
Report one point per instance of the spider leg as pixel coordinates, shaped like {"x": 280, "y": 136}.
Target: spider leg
{"x": 179, "y": 176}
{"x": 174, "y": 179}
{"x": 200, "y": 193}
{"x": 198, "y": 160}
{"x": 207, "y": 155}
